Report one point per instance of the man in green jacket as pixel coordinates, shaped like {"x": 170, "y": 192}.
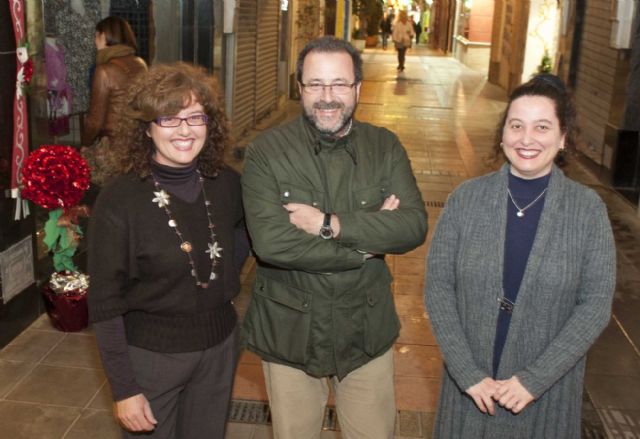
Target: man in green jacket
{"x": 326, "y": 197}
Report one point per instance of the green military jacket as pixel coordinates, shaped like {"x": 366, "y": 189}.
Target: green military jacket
{"x": 319, "y": 305}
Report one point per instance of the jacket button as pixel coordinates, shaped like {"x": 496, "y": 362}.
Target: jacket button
{"x": 363, "y": 202}
{"x": 261, "y": 287}
{"x": 286, "y": 194}
{"x": 315, "y": 203}
{"x": 305, "y": 304}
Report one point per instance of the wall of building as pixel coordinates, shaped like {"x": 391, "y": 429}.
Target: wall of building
{"x": 595, "y": 77}
{"x": 480, "y": 21}
{"x": 510, "y": 21}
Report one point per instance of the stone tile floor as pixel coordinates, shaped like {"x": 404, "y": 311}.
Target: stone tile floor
{"x": 52, "y": 385}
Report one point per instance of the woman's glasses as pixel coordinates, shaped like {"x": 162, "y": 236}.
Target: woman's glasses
{"x": 174, "y": 121}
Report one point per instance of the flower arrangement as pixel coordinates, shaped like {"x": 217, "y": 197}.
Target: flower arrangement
{"x": 55, "y": 177}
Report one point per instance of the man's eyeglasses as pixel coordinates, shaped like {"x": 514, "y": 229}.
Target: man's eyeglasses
{"x": 174, "y": 121}
{"x": 339, "y": 88}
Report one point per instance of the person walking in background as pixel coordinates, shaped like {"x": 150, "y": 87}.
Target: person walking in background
{"x": 385, "y": 28}
{"x": 326, "y": 197}
{"x": 116, "y": 68}
{"x": 520, "y": 280}
{"x": 163, "y": 262}
{"x": 402, "y": 36}
{"x": 417, "y": 28}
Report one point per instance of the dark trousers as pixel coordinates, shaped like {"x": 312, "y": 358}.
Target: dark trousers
{"x": 188, "y": 392}
{"x": 401, "y": 53}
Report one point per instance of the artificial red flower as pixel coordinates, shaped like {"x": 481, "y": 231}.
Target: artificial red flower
{"x": 55, "y": 176}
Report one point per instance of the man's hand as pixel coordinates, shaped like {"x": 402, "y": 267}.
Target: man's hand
{"x": 512, "y": 395}
{"x": 305, "y": 217}
{"x": 134, "y": 413}
{"x": 483, "y": 394}
{"x": 390, "y": 203}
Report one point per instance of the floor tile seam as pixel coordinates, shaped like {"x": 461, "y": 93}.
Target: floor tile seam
{"x": 35, "y": 365}
{"x": 85, "y": 409}
{"x": 32, "y": 367}
{"x": 626, "y": 335}
{"x": 42, "y": 404}
{"x": 68, "y": 366}
{"x": 73, "y": 423}
{"x": 42, "y": 329}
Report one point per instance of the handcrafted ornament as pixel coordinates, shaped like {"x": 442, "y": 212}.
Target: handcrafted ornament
{"x": 55, "y": 177}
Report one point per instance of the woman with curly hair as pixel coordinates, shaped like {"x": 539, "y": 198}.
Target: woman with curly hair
{"x": 161, "y": 259}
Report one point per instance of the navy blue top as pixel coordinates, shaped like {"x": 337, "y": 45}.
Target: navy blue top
{"x": 521, "y": 231}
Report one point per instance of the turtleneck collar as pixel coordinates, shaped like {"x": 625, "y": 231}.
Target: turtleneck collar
{"x": 321, "y": 141}
{"x": 104, "y": 55}
{"x": 524, "y": 188}
{"x": 182, "y": 182}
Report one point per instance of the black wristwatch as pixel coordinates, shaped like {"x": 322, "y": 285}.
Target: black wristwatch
{"x": 326, "y": 232}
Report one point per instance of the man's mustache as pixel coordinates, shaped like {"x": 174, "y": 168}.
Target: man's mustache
{"x": 327, "y": 105}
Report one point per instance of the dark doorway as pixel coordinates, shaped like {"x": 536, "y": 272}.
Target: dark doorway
{"x": 330, "y": 17}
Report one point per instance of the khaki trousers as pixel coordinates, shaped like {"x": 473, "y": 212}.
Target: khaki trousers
{"x": 365, "y": 401}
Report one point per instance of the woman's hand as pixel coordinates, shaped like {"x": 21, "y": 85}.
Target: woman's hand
{"x": 512, "y": 395}
{"x": 483, "y": 394}
{"x": 134, "y": 413}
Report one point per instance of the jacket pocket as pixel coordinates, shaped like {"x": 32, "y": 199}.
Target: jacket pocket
{"x": 290, "y": 193}
{"x": 280, "y": 320}
{"x": 371, "y": 197}
{"x": 381, "y": 320}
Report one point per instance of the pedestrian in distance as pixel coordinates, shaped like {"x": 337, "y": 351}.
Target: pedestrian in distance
{"x": 417, "y": 29}
{"x": 402, "y": 36}
{"x": 520, "y": 280}
{"x": 162, "y": 259}
{"x": 326, "y": 197}
{"x": 385, "y": 28}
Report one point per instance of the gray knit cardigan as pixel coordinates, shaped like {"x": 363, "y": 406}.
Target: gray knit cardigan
{"x": 563, "y": 304}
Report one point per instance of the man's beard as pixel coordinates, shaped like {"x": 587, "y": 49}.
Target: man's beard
{"x": 345, "y": 119}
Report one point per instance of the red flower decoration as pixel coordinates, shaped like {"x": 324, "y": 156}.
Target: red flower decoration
{"x": 55, "y": 176}
{"x": 28, "y": 71}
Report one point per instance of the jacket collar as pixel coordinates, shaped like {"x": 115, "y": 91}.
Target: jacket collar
{"x": 322, "y": 142}
{"x": 104, "y": 55}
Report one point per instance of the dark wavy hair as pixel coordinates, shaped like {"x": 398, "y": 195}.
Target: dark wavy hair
{"x": 164, "y": 91}
{"x": 329, "y": 44}
{"x": 551, "y": 87}
{"x": 117, "y": 31}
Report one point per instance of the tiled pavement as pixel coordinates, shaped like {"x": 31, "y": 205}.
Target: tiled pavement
{"x": 52, "y": 386}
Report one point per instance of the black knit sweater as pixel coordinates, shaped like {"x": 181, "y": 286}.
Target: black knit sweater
{"x": 138, "y": 271}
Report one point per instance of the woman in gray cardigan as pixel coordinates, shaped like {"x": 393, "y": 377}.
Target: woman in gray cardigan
{"x": 520, "y": 280}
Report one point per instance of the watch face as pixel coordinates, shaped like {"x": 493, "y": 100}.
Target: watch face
{"x": 326, "y": 232}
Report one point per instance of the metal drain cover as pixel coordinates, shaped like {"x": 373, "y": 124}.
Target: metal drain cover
{"x": 249, "y": 412}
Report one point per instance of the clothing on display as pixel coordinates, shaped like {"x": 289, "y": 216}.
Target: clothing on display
{"x": 59, "y": 95}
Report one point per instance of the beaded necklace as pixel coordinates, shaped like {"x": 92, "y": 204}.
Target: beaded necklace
{"x": 214, "y": 249}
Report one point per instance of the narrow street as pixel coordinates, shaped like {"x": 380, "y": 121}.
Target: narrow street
{"x": 445, "y": 114}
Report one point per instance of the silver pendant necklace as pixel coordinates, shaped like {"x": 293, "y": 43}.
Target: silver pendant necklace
{"x": 521, "y": 210}
{"x": 214, "y": 251}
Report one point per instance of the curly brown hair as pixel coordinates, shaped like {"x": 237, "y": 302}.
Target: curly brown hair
{"x": 165, "y": 90}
